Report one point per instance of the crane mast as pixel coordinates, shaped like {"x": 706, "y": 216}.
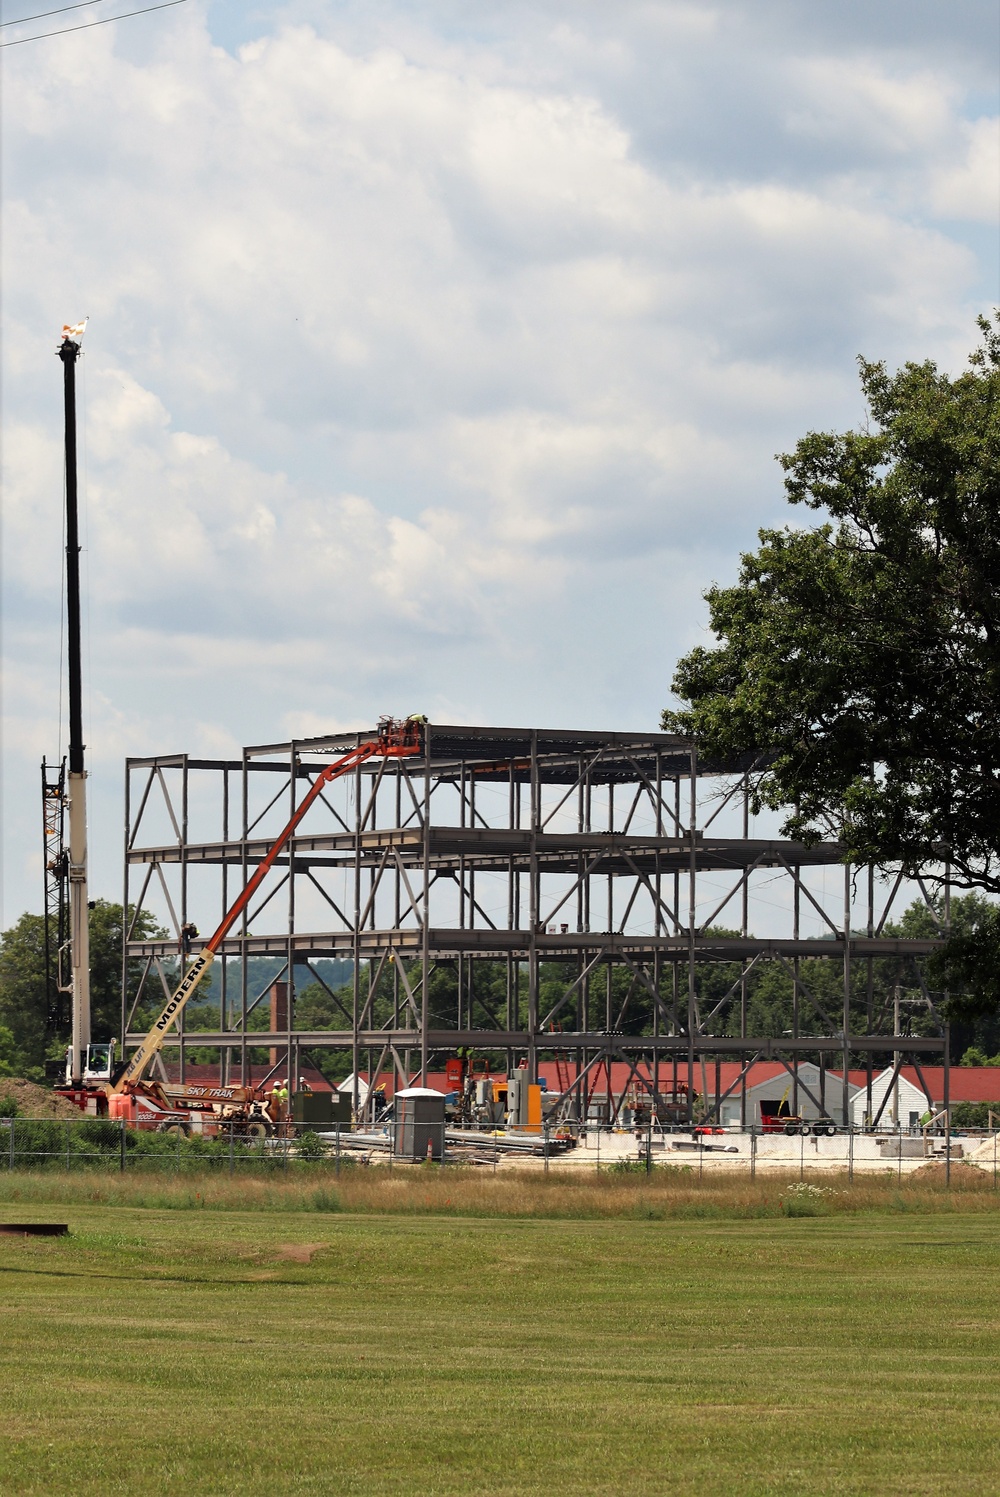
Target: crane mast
{"x": 79, "y": 931}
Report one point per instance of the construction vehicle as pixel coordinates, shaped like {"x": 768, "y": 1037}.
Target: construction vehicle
{"x": 124, "y": 1090}
{"x": 464, "y": 1075}
{"x": 777, "y": 1117}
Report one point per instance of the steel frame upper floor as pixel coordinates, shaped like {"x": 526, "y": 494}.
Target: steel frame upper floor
{"x": 594, "y": 847}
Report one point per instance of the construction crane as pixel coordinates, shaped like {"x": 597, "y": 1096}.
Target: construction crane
{"x": 394, "y": 740}
{"x": 64, "y": 797}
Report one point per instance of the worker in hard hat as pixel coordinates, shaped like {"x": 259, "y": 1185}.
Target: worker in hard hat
{"x": 305, "y": 1090}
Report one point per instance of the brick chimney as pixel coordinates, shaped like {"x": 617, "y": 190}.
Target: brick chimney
{"x": 279, "y": 1016}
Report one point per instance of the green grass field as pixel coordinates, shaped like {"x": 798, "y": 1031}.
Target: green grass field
{"x": 273, "y": 1351}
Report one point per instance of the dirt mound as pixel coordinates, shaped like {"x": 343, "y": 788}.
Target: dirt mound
{"x": 963, "y": 1175}
{"x": 35, "y": 1101}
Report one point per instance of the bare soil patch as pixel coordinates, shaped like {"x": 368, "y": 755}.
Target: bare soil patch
{"x": 299, "y": 1252}
{"x": 34, "y": 1101}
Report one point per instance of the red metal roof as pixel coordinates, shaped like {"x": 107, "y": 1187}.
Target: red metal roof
{"x": 968, "y": 1083}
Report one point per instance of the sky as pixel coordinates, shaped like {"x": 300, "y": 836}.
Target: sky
{"x": 439, "y": 354}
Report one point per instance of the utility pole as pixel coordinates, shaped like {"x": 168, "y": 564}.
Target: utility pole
{"x": 895, "y": 1058}
{"x": 79, "y": 931}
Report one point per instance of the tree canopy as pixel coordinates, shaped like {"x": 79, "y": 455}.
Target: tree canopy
{"x": 858, "y": 660}
{"x": 862, "y": 655}
{"x": 24, "y": 1040}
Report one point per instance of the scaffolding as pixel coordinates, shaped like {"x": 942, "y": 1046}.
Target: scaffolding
{"x": 590, "y": 869}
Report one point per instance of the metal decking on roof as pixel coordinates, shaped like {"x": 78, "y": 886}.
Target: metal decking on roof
{"x": 505, "y": 753}
{"x": 415, "y": 872}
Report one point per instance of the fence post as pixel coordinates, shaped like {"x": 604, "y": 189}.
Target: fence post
{"x": 121, "y": 1143}
{"x": 753, "y": 1152}
{"x": 68, "y": 1138}
{"x": 232, "y": 1145}
{"x": 545, "y": 1145}
{"x": 850, "y": 1156}
{"x": 336, "y": 1157}
{"x": 12, "y": 1127}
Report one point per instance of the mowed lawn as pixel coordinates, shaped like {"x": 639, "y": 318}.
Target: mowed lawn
{"x": 215, "y": 1353}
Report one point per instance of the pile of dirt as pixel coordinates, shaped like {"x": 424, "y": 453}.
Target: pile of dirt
{"x": 962, "y": 1174}
{"x": 34, "y": 1101}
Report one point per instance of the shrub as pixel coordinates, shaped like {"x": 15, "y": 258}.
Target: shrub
{"x": 971, "y": 1114}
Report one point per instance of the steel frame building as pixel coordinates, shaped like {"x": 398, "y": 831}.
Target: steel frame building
{"x": 514, "y": 846}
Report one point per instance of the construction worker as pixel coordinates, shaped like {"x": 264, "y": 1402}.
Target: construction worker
{"x": 305, "y": 1090}
{"x": 279, "y": 1101}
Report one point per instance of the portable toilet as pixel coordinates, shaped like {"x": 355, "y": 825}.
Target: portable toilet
{"x": 419, "y": 1123}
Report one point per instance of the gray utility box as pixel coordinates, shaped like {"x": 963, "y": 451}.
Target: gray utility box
{"x": 419, "y": 1124}
{"x": 320, "y": 1109}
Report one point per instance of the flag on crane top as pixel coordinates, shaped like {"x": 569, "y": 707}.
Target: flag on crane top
{"x": 75, "y": 332}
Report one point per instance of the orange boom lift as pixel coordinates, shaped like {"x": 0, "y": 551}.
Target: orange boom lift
{"x": 394, "y": 740}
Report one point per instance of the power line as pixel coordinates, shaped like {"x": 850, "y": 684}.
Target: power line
{"x": 40, "y": 16}
{"x": 44, "y": 35}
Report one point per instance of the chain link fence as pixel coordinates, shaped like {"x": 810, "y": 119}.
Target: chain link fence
{"x": 113, "y": 1145}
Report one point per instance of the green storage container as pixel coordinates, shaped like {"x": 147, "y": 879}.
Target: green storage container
{"x": 320, "y": 1109}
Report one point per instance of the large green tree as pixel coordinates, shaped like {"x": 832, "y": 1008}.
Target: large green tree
{"x": 24, "y": 1039}
{"x": 857, "y": 661}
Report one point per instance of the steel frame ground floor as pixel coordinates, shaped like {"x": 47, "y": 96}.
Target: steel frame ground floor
{"x": 613, "y": 859}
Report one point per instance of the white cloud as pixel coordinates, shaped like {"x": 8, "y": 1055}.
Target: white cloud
{"x": 970, "y": 187}
{"x": 443, "y": 370}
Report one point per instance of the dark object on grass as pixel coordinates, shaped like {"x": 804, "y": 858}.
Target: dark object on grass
{"x": 34, "y": 1229}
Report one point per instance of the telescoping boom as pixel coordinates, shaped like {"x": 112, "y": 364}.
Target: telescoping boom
{"x": 395, "y": 740}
